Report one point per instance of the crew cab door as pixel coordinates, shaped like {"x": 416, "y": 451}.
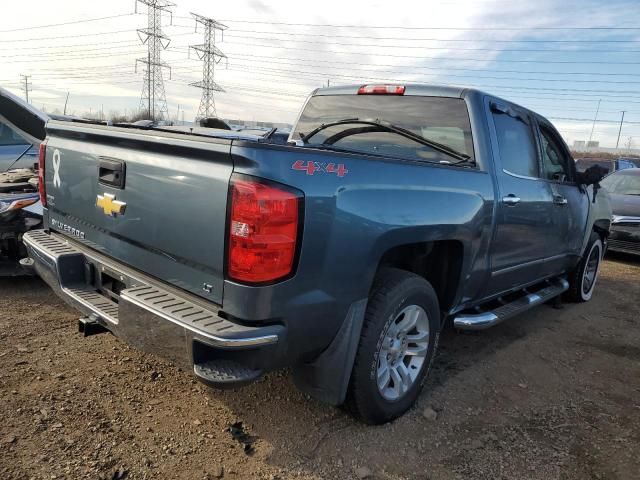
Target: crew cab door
{"x": 525, "y": 236}
{"x": 571, "y": 203}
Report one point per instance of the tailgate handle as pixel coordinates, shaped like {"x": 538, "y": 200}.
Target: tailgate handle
{"x": 111, "y": 172}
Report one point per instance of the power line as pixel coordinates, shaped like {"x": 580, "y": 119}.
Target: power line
{"x": 554, "y": 80}
{"x": 332, "y": 35}
{"x": 67, "y": 57}
{"x": 550, "y": 95}
{"x": 405, "y": 27}
{"x": 422, "y": 47}
{"x": 613, "y": 122}
{"x": 64, "y": 36}
{"x": 67, "y": 23}
{"x": 465, "y": 59}
{"x": 75, "y": 53}
{"x": 72, "y": 46}
{"x": 448, "y": 68}
{"x": 368, "y": 65}
{"x": 454, "y": 40}
{"x": 544, "y": 91}
{"x": 585, "y": 92}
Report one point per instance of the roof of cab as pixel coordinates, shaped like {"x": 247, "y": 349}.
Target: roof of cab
{"x": 410, "y": 89}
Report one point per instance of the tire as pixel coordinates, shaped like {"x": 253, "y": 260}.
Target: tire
{"x": 582, "y": 281}
{"x": 396, "y": 299}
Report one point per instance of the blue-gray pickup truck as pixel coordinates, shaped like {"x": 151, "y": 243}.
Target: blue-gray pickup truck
{"x": 392, "y": 211}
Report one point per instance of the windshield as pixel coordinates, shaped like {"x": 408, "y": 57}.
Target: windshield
{"x": 622, "y": 184}
{"x": 438, "y": 119}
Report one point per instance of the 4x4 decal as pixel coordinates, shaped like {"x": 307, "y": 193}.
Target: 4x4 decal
{"x": 313, "y": 167}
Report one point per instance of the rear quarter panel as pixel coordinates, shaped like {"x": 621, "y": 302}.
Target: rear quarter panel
{"x": 351, "y": 221}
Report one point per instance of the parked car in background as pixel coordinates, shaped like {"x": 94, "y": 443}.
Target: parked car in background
{"x": 624, "y": 190}
{"x": 391, "y": 210}
{"x": 15, "y": 150}
{"x": 610, "y": 165}
{"x": 634, "y": 160}
{"x": 21, "y": 133}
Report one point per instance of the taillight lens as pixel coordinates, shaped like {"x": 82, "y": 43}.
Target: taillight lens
{"x": 41, "y": 186}
{"x": 381, "y": 90}
{"x": 263, "y": 230}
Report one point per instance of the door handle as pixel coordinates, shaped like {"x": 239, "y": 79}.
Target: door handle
{"x": 111, "y": 172}
{"x": 559, "y": 200}
{"x": 511, "y": 200}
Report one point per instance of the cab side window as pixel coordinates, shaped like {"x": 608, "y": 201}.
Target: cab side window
{"x": 516, "y": 142}
{"x": 555, "y": 161}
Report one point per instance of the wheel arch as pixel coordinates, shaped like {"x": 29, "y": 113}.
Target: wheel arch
{"x": 602, "y": 227}
{"x": 439, "y": 262}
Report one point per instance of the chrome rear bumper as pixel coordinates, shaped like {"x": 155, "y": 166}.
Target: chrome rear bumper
{"x": 146, "y": 313}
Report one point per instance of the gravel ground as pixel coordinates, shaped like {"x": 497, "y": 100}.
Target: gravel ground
{"x": 552, "y": 394}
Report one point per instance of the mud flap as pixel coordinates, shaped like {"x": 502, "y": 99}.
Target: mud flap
{"x": 327, "y": 378}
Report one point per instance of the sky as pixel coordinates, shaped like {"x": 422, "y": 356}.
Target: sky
{"x": 560, "y": 59}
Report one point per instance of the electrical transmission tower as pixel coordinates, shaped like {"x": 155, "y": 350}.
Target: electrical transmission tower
{"x": 210, "y": 56}
{"x": 27, "y": 85}
{"x": 152, "y": 100}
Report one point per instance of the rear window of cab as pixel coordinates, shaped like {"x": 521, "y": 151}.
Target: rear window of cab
{"x": 440, "y": 119}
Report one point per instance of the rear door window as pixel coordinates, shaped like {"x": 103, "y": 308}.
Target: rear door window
{"x": 516, "y": 142}
{"x": 555, "y": 160}
{"x": 440, "y": 119}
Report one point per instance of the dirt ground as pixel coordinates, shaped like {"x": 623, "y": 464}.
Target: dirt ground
{"x": 552, "y": 394}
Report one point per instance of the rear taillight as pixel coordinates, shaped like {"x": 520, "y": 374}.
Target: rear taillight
{"x": 381, "y": 90}
{"x": 41, "y": 186}
{"x": 264, "y": 222}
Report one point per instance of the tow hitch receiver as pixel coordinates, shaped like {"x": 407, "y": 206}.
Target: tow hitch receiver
{"x": 88, "y": 326}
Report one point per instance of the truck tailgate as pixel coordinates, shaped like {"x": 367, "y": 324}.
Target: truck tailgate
{"x": 155, "y": 201}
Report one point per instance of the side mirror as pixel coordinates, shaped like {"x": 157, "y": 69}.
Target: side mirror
{"x": 592, "y": 175}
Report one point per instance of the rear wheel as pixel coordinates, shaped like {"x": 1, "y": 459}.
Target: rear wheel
{"x": 583, "y": 279}
{"x": 398, "y": 342}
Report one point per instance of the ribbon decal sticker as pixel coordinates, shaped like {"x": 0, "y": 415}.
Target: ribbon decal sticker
{"x": 57, "y": 182}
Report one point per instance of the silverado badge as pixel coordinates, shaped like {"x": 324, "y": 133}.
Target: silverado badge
{"x": 109, "y": 205}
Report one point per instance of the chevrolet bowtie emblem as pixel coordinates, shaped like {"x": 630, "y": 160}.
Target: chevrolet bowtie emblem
{"x": 109, "y": 205}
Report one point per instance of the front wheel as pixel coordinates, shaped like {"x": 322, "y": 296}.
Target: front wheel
{"x": 398, "y": 342}
{"x": 583, "y": 279}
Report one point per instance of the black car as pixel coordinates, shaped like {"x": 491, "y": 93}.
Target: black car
{"x": 624, "y": 189}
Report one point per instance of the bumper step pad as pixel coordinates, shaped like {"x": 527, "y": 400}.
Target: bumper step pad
{"x": 223, "y": 373}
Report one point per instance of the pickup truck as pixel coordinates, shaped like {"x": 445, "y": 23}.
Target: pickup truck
{"x": 392, "y": 211}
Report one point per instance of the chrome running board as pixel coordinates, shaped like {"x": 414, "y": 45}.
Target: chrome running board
{"x": 484, "y": 320}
